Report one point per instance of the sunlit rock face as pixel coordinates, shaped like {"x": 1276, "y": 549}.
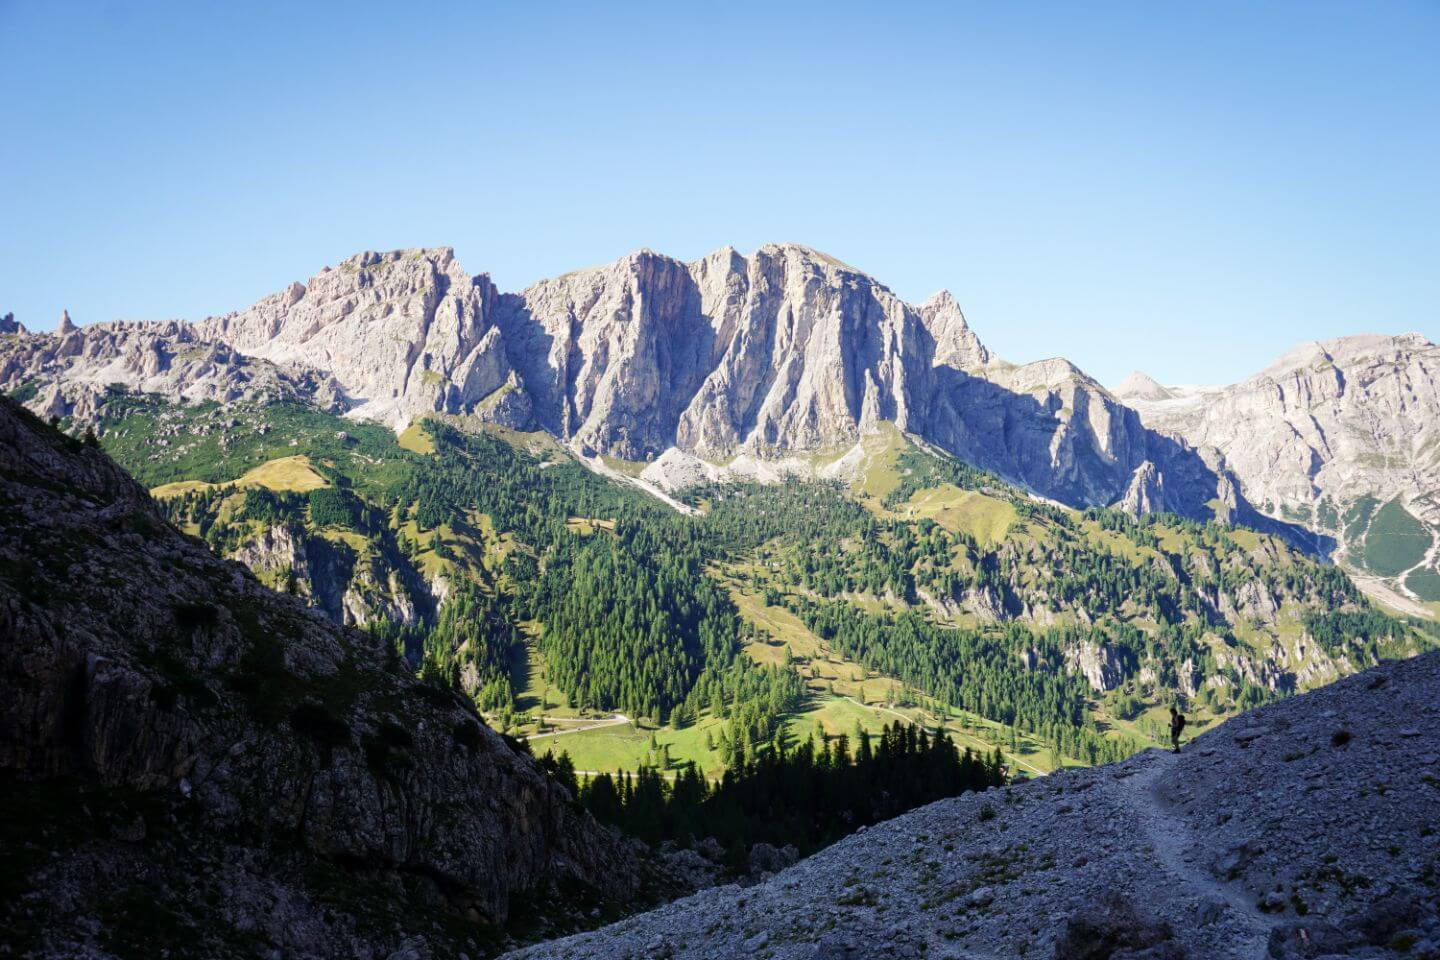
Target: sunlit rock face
{"x": 731, "y": 359}
{"x": 1348, "y": 417}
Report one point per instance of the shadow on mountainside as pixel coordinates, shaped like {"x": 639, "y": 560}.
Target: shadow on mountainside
{"x": 675, "y": 380}
{"x": 1067, "y": 458}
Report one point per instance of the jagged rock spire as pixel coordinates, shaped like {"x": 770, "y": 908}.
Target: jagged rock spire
{"x": 956, "y": 345}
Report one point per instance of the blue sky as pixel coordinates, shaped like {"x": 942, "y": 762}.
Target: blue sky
{"x": 1187, "y": 189}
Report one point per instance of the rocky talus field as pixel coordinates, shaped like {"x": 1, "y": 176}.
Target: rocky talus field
{"x": 1303, "y": 829}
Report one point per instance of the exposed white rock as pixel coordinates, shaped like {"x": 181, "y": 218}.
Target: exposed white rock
{"x": 1140, "y": 386}
{"x": 767, "y": 364}
{"x": 1097, "y": 663}
{"x": 1146, "y": 491}
{"x": 74, "y": 368}
{"x": 404, "y": 332}
{"x": 956, "y": 345}
{"x": 1343, "y": 419}
{"x": 675, "y": 469}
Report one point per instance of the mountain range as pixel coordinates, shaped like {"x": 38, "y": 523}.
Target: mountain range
{"x": 310, "y": 436}
{"x": 730, "y": 365}
{"x": 778, "y": 362}
{"x": 409, "y": 568}
{"x": 1342, "y": 436}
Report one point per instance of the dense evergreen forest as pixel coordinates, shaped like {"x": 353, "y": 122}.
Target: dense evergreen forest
{"x": 805, "y": 796}
{"x": 617, "y": 592}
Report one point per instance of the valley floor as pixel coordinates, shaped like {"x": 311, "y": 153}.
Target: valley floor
{"x": 1386, "y": 595}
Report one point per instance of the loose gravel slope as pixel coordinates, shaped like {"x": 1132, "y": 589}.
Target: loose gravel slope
{"x": 1304, "y": 829}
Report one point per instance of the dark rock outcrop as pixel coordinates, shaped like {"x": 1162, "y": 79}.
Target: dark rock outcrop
{"x": 194, "y": 761}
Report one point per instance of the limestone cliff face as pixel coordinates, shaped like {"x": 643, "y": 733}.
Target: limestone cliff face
{"x": 795, "y": 352}
{"x": 404, "y": 333}
{"x": 242, "y": 763}
{"x": 611, "y": 355}
{"x": 350, "y": 589}
{"x": 789, "y": 351}
{"x": 1325, "y": 428}
{"x": 1145, "y": 492}
{"x": 773, "y": 356}
{"x": 1097, "y": 663}
{"x": 1348, "y": 417}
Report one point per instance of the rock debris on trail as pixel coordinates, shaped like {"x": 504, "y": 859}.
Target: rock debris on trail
{"x": 1304, "y": 829}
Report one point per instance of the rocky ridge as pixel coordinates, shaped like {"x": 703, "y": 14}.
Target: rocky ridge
{"x": 1348, "y": 417}
{"x": 1303, "y": 829}
{"x": 1322, "y": 429}
{"x": 69, "y": 372}
{"x": 722, "y": 366}
{"x": 196, "y": 762}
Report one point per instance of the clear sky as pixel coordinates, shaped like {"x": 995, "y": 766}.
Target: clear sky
{"x": 1189, "y": 189}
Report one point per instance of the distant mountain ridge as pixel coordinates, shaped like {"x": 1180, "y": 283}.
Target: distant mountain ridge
{"x": 1341, "y": 435}
{"x": 721, "y": 365}
{"x": 736, "y": 366}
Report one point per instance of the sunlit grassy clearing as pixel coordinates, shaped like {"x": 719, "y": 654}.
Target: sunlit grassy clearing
{"x": 283, "y": 475}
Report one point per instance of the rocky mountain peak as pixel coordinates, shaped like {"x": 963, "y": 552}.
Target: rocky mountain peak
{"x": 1327, "y": 432}
{"x": 800, "y": 253}
{"x": 66, "y": 325}
{"x": 1141, "y": 386}
{"x": 956, "y": 345}
{"x": 402, "y": 332}
{"x": 440, "y": 256}
{"x": 1316, "y": 356}
{"x": 940, "y": 300}
{"x": 8, "y": 324}
{"x": 787, "y": 351}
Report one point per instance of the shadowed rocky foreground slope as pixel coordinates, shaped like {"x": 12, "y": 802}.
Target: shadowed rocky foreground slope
{"x": 191, "y": 764}
{"x": 1304, "y": 829}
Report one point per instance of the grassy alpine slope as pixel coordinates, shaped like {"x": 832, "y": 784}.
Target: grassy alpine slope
{"x": 1390, "y": 547}
{"x": 592, "y": 619}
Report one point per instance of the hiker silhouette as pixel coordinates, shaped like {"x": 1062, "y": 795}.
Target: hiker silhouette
{"x": 1177, "y": 723}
